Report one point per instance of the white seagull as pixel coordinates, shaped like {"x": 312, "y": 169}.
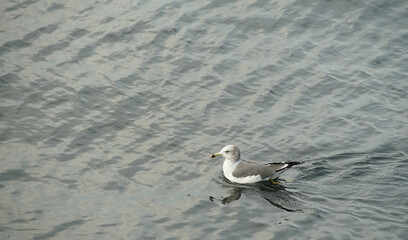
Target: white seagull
{"x": 239, "y": 171}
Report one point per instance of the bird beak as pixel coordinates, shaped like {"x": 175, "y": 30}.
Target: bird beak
{"x": 215, "y": 155}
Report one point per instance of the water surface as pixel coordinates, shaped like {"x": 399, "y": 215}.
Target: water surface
{"x": 110, "y": 111}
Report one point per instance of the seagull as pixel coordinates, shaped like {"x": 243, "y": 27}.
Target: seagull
{"x": 239, "y": 171}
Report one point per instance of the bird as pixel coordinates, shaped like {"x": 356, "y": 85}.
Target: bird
{"x": 244, "y": 172}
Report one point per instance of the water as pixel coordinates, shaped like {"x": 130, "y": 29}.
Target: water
{"x": 111, "y": 110}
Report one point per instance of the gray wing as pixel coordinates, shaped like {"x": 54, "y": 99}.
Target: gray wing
{"x": 266, "y": 170}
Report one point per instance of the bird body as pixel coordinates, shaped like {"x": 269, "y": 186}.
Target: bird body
{"x": 239, "y": 171}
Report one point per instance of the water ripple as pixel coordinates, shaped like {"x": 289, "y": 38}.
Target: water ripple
{"x": 109, "y": 113}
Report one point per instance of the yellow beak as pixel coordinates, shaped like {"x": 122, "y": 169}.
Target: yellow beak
{"x": 215, "y": 155}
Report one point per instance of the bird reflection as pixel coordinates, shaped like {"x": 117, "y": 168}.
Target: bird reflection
{"x": 235, "y": 195}
{"x": 273, "y": 193}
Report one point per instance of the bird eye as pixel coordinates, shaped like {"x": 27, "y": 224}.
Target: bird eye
{"x": 227, "y": 151}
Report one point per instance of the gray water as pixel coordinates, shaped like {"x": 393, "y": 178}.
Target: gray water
{"x": 110, "y": 111}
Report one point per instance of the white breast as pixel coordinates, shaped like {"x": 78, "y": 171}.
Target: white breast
{"x": 230, "y": 166}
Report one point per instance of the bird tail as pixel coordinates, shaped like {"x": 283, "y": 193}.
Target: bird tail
{"x": 294, "y": 163}
{"x": 289, "y": 165}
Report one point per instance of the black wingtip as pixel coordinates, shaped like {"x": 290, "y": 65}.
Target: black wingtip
{"x": 290, "y": 164}
{"x": 294, "y": 163}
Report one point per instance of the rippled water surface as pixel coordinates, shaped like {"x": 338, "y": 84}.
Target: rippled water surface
{"x": 110, "y": 110}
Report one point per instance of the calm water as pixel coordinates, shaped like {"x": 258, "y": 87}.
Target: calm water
{"x": 110, "y": 111}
